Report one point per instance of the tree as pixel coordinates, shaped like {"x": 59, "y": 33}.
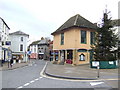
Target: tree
{"x": 106, "y": 40}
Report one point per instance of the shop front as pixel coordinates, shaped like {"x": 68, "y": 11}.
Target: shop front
{"x": 17, "y": 57}
{"x": 73, "y": 56}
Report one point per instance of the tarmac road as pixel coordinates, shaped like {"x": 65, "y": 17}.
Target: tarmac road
{"x": 29, "y": 77}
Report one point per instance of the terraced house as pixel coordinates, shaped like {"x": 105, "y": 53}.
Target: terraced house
{"x": 5, "y": 52}
{"x": 72, "y": 41}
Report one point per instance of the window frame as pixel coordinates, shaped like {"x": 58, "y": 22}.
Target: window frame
{"x": 21, "y": 47}
{"x": 21, "y": 39}
{"x": 83, "y": 57}
{"x": 92, "y": 38}
{"x": 62, "y": 39}
{"x": 83, "y": 37}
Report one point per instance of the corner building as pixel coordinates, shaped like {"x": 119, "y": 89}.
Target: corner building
{"x": 73, "y": 40}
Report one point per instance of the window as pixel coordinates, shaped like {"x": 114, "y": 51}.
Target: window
{"x": 62, "y": 38}
{"x": 92, "y": 37}
{"x": 83, "y": 36}
{"x": 21, "y": 47}
{"x": 82, "y": 57}
{"x": 21, "y": 38}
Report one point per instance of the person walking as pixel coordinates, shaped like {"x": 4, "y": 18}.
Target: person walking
{"x": 11, "y": 63}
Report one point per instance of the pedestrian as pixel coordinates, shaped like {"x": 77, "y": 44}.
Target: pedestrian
{"x": 11, "y": 63}
{"x": 8, "y": 63}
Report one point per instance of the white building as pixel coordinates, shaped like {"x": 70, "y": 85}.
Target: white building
{"x": 34, "y": 49}
{"x": 0, "y": 44}
{"x": 19, "y": 41}
{"x": 116, "y": 24}
{"x": 4, "y": 41}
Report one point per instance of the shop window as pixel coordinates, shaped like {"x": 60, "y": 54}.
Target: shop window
{"x": 82, "y": 57}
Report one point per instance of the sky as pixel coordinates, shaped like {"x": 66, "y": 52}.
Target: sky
{"x": 39, "y": 18}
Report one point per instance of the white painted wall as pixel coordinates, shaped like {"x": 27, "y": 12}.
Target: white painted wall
{"x": 4, "y": 32}
{"x": 34, "y": 48}
{"x": 16, "y": 42}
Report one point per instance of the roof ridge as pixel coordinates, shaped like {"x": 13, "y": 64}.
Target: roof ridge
{"x": 76, "y": 19}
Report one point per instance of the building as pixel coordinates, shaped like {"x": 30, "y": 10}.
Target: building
{"x": 51, "y": 50}
{"x": 33, "y": 47}
{"x": 43, "y": 49}
{"x": 40, "y": 49}
{"x": 116, "y": 26}
{"x": 73, "y": 40}
{"x": 4, "y": 42}
{"x": 19, "y": 45}
{"x": 0, "y": 44}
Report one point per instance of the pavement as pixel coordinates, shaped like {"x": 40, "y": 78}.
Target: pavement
{"x": 81, "y": 72}
{"x": 14, "y": 66}
{"x": 67, "y": 71}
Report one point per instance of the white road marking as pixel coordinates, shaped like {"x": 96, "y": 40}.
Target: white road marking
{"x": 41, "y": 73}
{"x": 26, "y": 84}
{"x": 20, "y": 87}
{"x": 40, "y": 77}
{"x": 32, "y": 81}
{"x": 95, "y": 83}
{"x": 36, "y": 79}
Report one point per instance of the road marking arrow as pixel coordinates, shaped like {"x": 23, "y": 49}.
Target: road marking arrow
{"x": 95, "y": 83}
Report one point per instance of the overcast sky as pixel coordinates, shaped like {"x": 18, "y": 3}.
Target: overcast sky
{"x": 39, "y": 18}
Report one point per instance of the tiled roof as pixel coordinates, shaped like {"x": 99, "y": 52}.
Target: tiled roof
{"x": 40, "y": 42}
{"x": 35, "y": 42}
{"x": 77, "y": 21}
{"x": 19, "y": 33}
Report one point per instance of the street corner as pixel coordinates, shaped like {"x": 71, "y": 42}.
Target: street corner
{"x": 14, "y": 66}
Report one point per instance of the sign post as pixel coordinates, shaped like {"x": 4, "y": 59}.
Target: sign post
{"x": 98, "y": 72}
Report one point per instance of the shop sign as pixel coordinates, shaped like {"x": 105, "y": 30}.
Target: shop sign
{"x": 95, "y": 63}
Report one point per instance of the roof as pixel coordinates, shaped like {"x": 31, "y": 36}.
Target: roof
{"x": 5, "y": 23}
{"x": 40, "y": 42}
{"x": 19, "y": 33}
{"x": 116, "y": 22}
{"x": 76, "y": 21}
{"x": 35, "y": 42}
{"x": 44, "y": 41}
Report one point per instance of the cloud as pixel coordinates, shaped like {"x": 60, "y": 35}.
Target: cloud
{"x": 41, "y": 17}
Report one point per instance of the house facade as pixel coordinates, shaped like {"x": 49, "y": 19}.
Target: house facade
{"x": 33, "y": 47}
{"x": 116, "y": 26}
{"x": 39, "y": 49}
{"x": 4, "y": 41}
{"x": 19, "y": 45}
{"x": 43, "y": 49}
{"x": 73, "y": 40}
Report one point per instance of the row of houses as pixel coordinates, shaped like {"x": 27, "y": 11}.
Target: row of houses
{"x": 41, "y": 49}
{"x": 12, "y": 45}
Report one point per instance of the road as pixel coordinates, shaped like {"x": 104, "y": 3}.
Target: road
{"x": 29, "y": 77}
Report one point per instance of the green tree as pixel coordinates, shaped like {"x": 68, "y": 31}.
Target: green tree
{"x": 106, "y": 40}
